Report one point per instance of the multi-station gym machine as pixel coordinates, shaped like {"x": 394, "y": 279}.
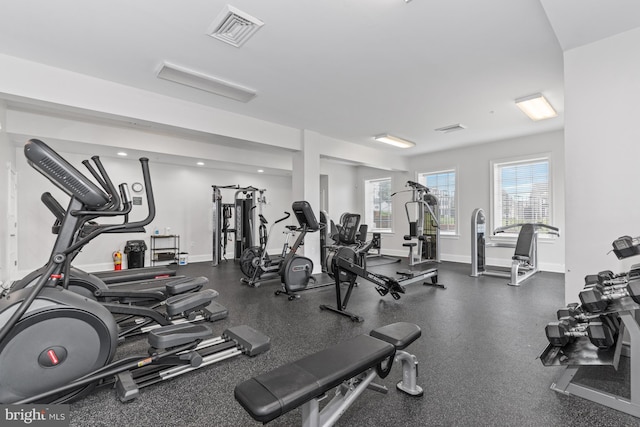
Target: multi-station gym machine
{"x": 235, "y": 219}
{"x": 423, "y": 239}
{"x": 524, "y": 262}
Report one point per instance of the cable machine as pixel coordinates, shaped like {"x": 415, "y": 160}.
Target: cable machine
{"x": 423, "y": 239}
{"x": 234, "y": 219}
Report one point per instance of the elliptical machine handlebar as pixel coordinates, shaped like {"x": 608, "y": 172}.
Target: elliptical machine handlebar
{"x": 144, "y": 163}
{"x": 104, "y": 180}
{"x": 50, "y": 164}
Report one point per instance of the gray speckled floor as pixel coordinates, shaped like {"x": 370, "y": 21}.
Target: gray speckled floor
{"x": 478, "y": 357}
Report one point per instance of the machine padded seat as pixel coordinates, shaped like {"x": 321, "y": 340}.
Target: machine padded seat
{"x": 268, "y": 396}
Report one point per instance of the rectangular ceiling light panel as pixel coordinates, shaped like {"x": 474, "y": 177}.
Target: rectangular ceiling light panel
{"x": 395, "y": 141}
{"x": 211, "y": 84}
{"x": 234, "y": 27}
{"x": 536, "y": 107}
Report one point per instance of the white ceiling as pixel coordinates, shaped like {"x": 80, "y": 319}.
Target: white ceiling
{"x": 348, "y": 69}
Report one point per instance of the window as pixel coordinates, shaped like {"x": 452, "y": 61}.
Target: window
{"x": 443, "y": 186}
{"x": 377, "y": 193}
{"x": 521, "y": 192}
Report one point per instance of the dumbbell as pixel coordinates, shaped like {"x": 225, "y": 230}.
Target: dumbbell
{"x": 596, "y": 298}
{"x": 571, "y": 310}
{"x": 607, "y": 279}
{"x": 600, "y": 333}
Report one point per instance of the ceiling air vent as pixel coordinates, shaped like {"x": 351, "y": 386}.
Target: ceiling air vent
{"x": 451, "y": 128}
{"x": 233, "y": 26}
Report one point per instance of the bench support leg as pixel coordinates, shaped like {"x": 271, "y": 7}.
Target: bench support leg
{"x": 345, "y": 396}
{"x": 409, "y": 374}
{"x": 311, "y": 413}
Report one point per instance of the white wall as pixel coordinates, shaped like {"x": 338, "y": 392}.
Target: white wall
{"x": 602, "y": 86}
{"x": 473, "y": 166}
{"x": 343, "y": 188}
{"x": 6, "y": 157}
{"x": 183, "y": 203}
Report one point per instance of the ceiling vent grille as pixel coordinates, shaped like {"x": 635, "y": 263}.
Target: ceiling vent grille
{"x": 451, "y": 128}
{"x": 234, "y": 27}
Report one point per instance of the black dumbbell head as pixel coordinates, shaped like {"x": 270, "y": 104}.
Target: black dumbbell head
{"x": 600, "y": 335}
{"x": 592, "y": 301}
{"x": 556, "y": 334}
{"x": 590, "y": 279}
{"x": 633, "y": 289}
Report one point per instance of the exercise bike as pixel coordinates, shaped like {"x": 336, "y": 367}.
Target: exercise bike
{"x": 296, "y": 271}
{"x": 255, "y": 261}
{"x": 56, "y": 345}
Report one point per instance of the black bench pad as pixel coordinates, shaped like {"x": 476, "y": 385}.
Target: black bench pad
{"x": 400, "y": 334}
{"x": 274, "y": 393}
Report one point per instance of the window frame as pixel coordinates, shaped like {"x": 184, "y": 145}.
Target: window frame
{"x": 456, "y": 230}
{"x": 523, "y": 160}
{"x": 370, "y": 220}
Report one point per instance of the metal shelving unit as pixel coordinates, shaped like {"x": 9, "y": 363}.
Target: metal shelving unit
{"x": 164, "y": 248}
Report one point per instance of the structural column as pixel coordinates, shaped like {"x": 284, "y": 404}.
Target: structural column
{"x": 306, "y": 186}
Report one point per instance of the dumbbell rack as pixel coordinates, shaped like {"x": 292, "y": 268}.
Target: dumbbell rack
{"x": 583, "y": 353}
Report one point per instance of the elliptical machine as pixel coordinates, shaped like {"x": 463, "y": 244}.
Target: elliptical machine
{"x": 137, "y": 311}
{"x": 56, "y": 345}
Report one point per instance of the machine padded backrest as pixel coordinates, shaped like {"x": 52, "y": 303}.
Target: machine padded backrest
{"x": 50, "y": 164}
{"x": 349, "y": 228}
{"x": 525, "y": 239}
{"x": 362, "y": 232}
{"x": 305, "y": 216}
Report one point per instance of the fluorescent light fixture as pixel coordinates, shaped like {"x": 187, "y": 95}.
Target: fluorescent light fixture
{"x": 536, "y": 107}
{"x": 211, "y": 84}
{"x": 395, "y": 141}
{"x": 122, "y": 153}
{"x": 260, "y": 170}
{"x": 200, "y": 163}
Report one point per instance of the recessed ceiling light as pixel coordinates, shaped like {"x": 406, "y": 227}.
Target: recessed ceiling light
{"x": 200, "y": 163}
{"x": 395, "y": 141}
{"x": 536, "y": 107}
{"x": 122, "y": 153}
{"x": 260, "y": 170}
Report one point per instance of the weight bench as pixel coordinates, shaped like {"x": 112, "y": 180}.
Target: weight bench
{"x": 352, "y": 365}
